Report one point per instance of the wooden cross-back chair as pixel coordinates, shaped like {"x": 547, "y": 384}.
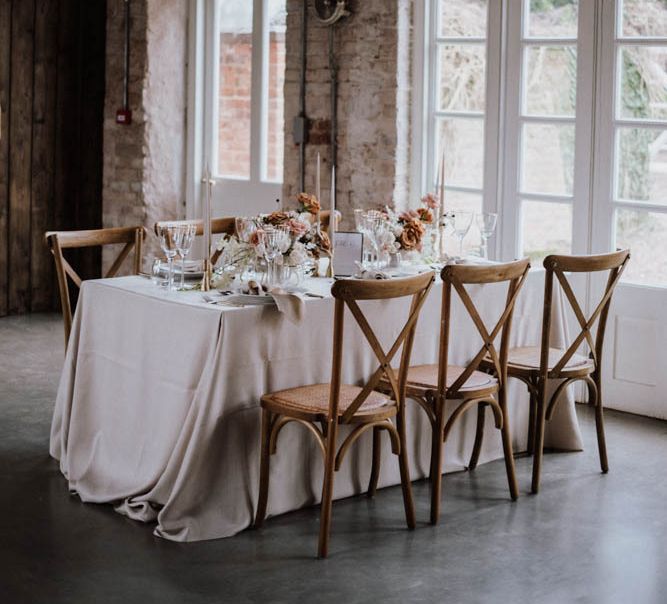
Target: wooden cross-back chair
{"x": 322, "y": 407}
{"x": 57, "y": 241}
{"x": 433, "y": 387}
{"x": 535, "y": 365}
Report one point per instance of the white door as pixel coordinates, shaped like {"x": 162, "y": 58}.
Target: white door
{"x": 238, "y": 69}
{"x": 630, "y": 198}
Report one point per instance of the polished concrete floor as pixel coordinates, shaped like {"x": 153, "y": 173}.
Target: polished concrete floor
{"x": 585, "y": 538}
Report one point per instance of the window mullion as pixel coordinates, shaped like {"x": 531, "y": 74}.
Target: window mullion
{"x": 258, "y": 98}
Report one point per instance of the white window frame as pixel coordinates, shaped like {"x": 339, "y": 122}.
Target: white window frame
{"x": 231, "y": 196}
{"x": 425, "y": 110}
{"x": 607, "y": 201}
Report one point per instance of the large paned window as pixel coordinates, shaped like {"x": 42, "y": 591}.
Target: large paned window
{"x": 637, "y": 137}
{"x": 554, "y": 113}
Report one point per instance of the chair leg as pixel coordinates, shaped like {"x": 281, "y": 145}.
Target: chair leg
{"x": 436, "y": 465}
{"x": 599, "y": 424}
{"x": 265, "y": 460}
{"x": 507, "y": 445}
{"x": 406, "y": 485}
{"x": 530, "y": 449}
{"x": 479, "y": 436}
{"x": 327, "y": 490}
{"x": 377, "y": 460}
{"x": 539, "y": 437}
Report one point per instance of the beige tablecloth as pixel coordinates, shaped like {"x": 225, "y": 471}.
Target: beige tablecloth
{"x": 158, "y": 405}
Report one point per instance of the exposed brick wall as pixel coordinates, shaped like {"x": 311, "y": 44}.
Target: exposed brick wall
{"x": 144, "y": 162}
{"x": 372, "y": 49}
{"x": 235, "y": 78}
{"x": 122, "y": 193}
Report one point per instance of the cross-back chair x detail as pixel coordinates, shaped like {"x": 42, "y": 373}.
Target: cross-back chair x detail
{"x": 432, "y": 386}
{"x": 57, "y": 241}
{"x": 322, "y": 408}
{"x": 567, "y": 365}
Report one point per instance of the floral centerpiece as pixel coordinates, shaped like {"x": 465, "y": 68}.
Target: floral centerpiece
{"x": 244, "y": 251}
{"x": 407, "y": 229}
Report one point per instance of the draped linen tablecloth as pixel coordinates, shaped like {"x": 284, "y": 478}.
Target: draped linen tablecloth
{"x": 158, "y": 405}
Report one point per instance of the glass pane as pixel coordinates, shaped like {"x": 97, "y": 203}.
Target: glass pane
{"x": 460, "y": 200}
{"x": 235, "y": 86}
{"x": 644, "y": 18}
{"x": 461, "y": 79}
{"x": 641, "y": 165}
{"x": 645, "y": 233}
{"x": 463, "y": 140}
{"x": 463, "y": 18}
{"x": 552, "y": 18}
{"x": 643, "y": 82}
{"x": 547, "y": 158}
{"x": 546, "y": 228}
{"x": 551, "y": 80}
{"x": 275, "y": 123}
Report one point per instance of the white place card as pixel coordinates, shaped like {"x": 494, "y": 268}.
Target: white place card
{"x": 348, "y": 251}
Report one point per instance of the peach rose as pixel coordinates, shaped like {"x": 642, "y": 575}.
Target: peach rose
{"x": 430, "y": 200}
{"x": 276, "y": 218}
{"x": 296, "y": 227}
{"x": 310, "y": 203}
{"x": 425, "y": 215}
{"x": 411, "y": 237}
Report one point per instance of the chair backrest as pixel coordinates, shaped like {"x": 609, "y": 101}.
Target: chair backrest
{"x": 325, "y": 219}
{"x": 347, "y": 293}
{"x": 57, "y": 241}
{"x": 556, "y": 266}
{"x": 457, "y": 277}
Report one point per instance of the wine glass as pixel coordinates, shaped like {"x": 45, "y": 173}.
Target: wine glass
{"x": 461, "y": 223}
{"x": 486, "y": 223}
{"x": 275, "y": 242}
{"x": 376, "y": 226}
{"x": 168, "y": 233}
{"x": 360, "y": 224}
{"x": 184, "y": 239}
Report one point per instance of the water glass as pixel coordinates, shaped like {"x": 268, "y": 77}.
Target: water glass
{"x": 486, "y": 223}
{"x": 168, "y": 234}
{"x": 276, "y": 241}
{"x": 184, "y": 238}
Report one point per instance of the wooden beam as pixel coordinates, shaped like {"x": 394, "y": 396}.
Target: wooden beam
{"x": 5, "y": 49}
{"x": 20, "y": 143}
{"x": 43, "y": 152}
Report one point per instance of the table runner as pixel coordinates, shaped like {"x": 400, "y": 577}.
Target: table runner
{"x": 158, "y": 405}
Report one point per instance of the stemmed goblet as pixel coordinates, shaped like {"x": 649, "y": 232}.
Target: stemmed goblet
{"x": 275, "y": 241}
{"x": 185, "y": 237}
{"x": 168, "y": 234}
{"x": 461, "y": 223}
{"x": 375, "y": 225}
{"x": 486, "y": 223}
{"x": 361, "y": 225}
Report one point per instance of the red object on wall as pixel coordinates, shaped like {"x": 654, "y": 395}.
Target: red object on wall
{"x": 124, "y": 117}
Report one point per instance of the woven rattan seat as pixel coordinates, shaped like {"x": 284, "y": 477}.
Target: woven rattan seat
{"x": 313, "y": 401}
{"x": 526, "y": 360}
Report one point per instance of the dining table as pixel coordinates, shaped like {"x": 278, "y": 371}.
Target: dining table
{"x": 158, "y": 406}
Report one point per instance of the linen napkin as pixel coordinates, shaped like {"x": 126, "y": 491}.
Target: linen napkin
{"x": 365, "y": 273}
{"x": 289, "y": 304}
